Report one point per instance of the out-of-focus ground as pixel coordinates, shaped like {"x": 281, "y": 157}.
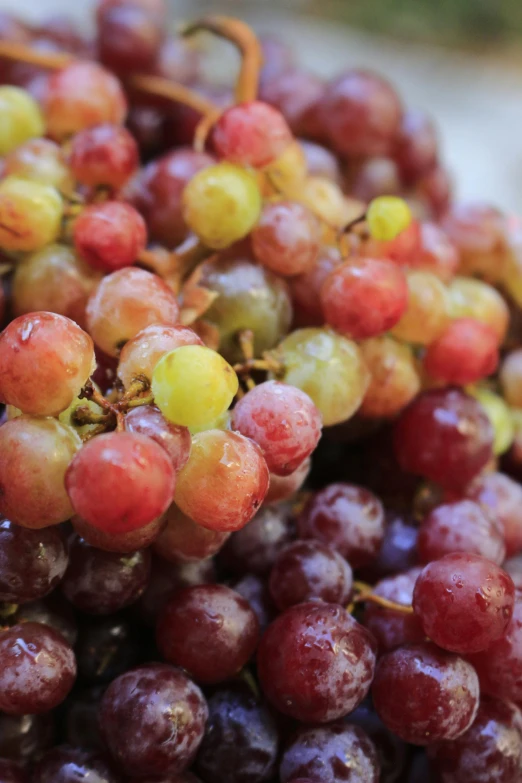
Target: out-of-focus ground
{"x": 476, "y": 98}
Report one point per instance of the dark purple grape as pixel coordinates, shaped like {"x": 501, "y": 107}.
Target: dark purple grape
{"x": 209, "y": 630}
{"x": 398, "y": 550}
{"x": 54, "y": 611}
{"x": 153, "y": 719}
{"x": 256, "y": 592}
{"x": 128, "y": 38}
{"x": 254, "y": 548}
{"x": 11, "y": 772}
{"x": 315, "y": 662}
{"x": 81, "y": 725}
{"x": 240, "y": 742}
{"x": 489, "y": 752}
{"x": 24, "y": 737}
{"x": 389, "y": 627}
{"x": 32, "y": 562}
{"x": 67, "y": 764}
{"x": 100, "y": 582}
{"x": 348, "y": 518}
{"x": 105, "y": 649}
{"x": 391, "y": 750}
{"x": 330, "y": 754}
{"x": 306, "y": 570}
{"x": 38, "y": 669}
{"x": 424, "y": 694}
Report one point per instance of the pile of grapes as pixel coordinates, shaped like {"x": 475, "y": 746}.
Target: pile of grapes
{"x": 261, "y": 436}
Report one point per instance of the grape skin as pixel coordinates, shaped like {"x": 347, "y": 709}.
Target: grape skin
{"x": 182, "y": 540}
{"x": 140, "y": 355}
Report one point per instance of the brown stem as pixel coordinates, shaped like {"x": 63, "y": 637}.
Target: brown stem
{"x": 90, "y": 392}
{"x": 84, "y": 415}
{"x": 366, "y": 594}
{"x": 164, "y": 88}
{"x": 11, "y": 50}
{"x": 246, "y": 343}
{"x": 244, "y": 38}
{"x": 120, "y": 421}
{"x": 137, "y": 386}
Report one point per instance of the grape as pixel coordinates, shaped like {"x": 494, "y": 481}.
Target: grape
{"x": 313, "y": 638}
{"x": 464, "y": 602}
{"x": 475, "y": 299}
{"x": 438, "y": 255}
{"x": 362, "y": 114}
{"x": 320, "y": 162}
{"x": 221, "y": 204}
{"x": 328, "y": 754}
{"x": 82, "y": 95}
{"x": 254, "y": 548}
{"x": 128, "y": 38}
{"x": 465, "y": 352}
{"x": 208, "y": 630}
{"x": 513, "y": 566}
{"x": 489, "y": 752}
{"x": 445, "y": 436}
{"x": 427, "y": 313}
{"x": 183, "y": 540}
{"x": 106, "y": 155}
{"x": 45, "y": 359}
{"x": 374, "y": 178}
{"x": 178, "y": 60}
{"x": 416, "y": 146}
{"x": 21, "y": 118}
{"x": 283, "y": 487}
{"x": 224, "y": 481}
{"x": 118, "y": 542}
{"x": 297, "y": 95}
{"x": 11, "y": 772}
{"x": 288, "y": 171}
{"x": 348, "y": 518}
{"x": 392, "y": 752}
{"x": 255, "y": 591}
{"x": 55, "y": 280}
{"x": 387, "y": 217}
{"x": 164, "y": 712}
{"x": 287, "y": 237}
{"x": 501, "y": 419}
{"x": 117, "y": 507}
{"x": 32, "y": 562}
{"x": 34, "y": 456}
{"x": 106, "y": 648}
{"x": 398, "y": 551}
{"x": 99, "y": 582}
{"x": 140, "y": 355}
{"x": 240, "y": 742}
{"x": 462, "y": 526}
{"x": 126, "y": 302}
{"x": 277, "y": 57}
{"x": 193, "y": 385}
{"x": 251, "y": 134}
{"x": 80, "y": 717}
{"x": 479, "y": 234}
{"x": 511, "y": 378}
{"x": 53, "y": 611}
{"x": 434, "y": 190}
{"x": 40, "y": 160}
{"x": 438, "y": 693}
{"x": 326, "y": 200}
{"x": 328, "y": 367}
{"x": 306, "y": 288}
{"x": 148, "y": 420}
{"x": 38, "y": 669}
{"x": 157, "y": 193}
{"x": 283, "y": 421}
{"x": 364, "y": 298}
{"x": 309, "y": 570}
{"x": 501, "y": 497}
{"x": 24, "y": 737}
{"x": 64, "y": 763}
{"x": 30, "y": 214}
{"x": 249, "y": 297}
{"x": 110, "y": 236}
{"x": 394, "y": 379}
{"x": 391, "y": 628}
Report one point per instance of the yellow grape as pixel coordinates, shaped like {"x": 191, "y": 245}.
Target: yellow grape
{"x": 20, "y": 118}
{"x": 387, "y": 216}
{"x": 40, "y": 160}
{"x": 193, "y": 385}
{"x": 221, "y": 204}
{"x": 289, "y": 170}
{"x": 471, "y": 298}
{"x": 500, "y": 416}
{"x": 328, "y": 367}
{"x": 325, "y": 198}
{"x": 30, "y": 214}
{"x": 428, "y": 309}
{"x": 394, "y": 378}
{"x": 221, "y": 423}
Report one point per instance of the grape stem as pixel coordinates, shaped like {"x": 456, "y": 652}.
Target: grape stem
{"x": 364, "y": 593}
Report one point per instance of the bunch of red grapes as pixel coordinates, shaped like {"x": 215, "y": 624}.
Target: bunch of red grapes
{"x": 261, "y": 439}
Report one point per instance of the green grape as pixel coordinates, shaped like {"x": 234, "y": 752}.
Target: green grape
{"x": 193, "y": 385}
{"x": 221, "y": 204}
{"x": 20, "y": 118}
{"x": 387, "y": 216}
{"x": 500, "y": 416}
{"x": 328, "y": 367}
{"x": 221, "y": 423}
{"x": 30, "y": 214}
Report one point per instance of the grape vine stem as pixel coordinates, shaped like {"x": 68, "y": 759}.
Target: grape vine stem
{"x": 364, "y": 593}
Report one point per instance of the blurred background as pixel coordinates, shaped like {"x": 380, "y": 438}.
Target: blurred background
{"x": 459, "y": 59}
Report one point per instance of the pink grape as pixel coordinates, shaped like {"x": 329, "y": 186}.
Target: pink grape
{"x": 140, "y": 355}
{"x": 287, "y": 238}
{"x": 118, "y": 542}
{"x": 148, "y": 420}
{"x": 182, "y": 540}
{"x": 106, "y": 155}
{"x": 462, "y": 526}
{"x": 110, "y": 236}
{"x": 251, "y": 134}
{"x": 466, "y": 352}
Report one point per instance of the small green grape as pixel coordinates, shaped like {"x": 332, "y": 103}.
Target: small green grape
{"x": 221, "y": 423}
{"x": 222, "y": 204}
{"x": 193, "y": 385}
{"x": 387, "y": 216}
{"x": 30, "y": 214}
{"x": 20, "y": 118}
{"x": 500, "y": 416}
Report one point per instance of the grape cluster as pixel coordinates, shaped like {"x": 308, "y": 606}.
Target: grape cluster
{"x": 261, "y": 424}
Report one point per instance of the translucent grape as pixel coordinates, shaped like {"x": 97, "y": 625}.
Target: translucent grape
{"x": 221, "y": 204}
{"x": 427, "y": 314}
{"x": 251, "y": 134}
{"x": 511, "y": 378}
{"x": 500, "y": 417}
{"x": 387, "y": 217}
{"x": 106, "y": 155}
{"x": 224, "y": 482}
{"x": 21, "y": 118}
{"x": 34, "y": 456}
{"x": 117, "y": 507}
{"x": 328, "y": 367}
{"x": 109, "y": 236}
{"x": 148, "y": 420}
{"x": 141, "y": 354}
{"x": 193, "y": 385}
{"x": 286, "y": 238}
{"x": 461, "y": 526}
{"x": 466, "y": 352}
{"x": 40, "y": 160}
{"x": 118, "y": 542}
{"x": 126, "y": 302}
{"x": 30, "y": 214}
{"x": 394, "y": 378}
{"x": 183, "y": 541}
{"x": 470, "y": 298}
{"x": 45, "y": 360}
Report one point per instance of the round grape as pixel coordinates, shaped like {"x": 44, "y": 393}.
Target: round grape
{"x": 118, "y": 542}
{"x": 30, "y": 214}
{"x": 251, "y": 134}
{"x": 287, "y": 238}
{"x": 387, "y": 217}
{"x": 254, "y": 548}
{"x": 40, "y": 160}
{"x": 129, "y": 37}
{"x": 394, "y": 378}
{"x": 416, "y": 146}
{"x": 501, "y": 497}
{"x": 462, "y": 526}
{"x": 500, "y": 416}
{"x": 427, "y": 313}
{"x": 183, "y": 541}
{"x": 104, "y": 156}
{"x": 283, "y": 487}
{"x": 148, "y": 420}
{"x": 110, "y": 236}
{"x": 465, "y": 352}
{"x": 391, "y": 628}
{"x": 21, "y": 118}
{"x": 141, "y": 354}
{"x": 470, "y": 298}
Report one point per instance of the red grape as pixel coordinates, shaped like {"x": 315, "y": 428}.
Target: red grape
{"x": 106, "y": 155}
{"x": 118, "y": 542}
{"x": 392, "y": 628}
{"x": 464, "y": 602}
{"x": 416, "y": 147}
{"x": 102, "y": 499}
{"x": 462, "y": 526}
{"x": 140, "y": 355}
{"x": 392, "y": 752}
{"x": 63, "y": 763}
{"x": 148, "y": 420}
{"x": 435, "y": 190}
{"x": 436, "y": 252}
{"x": 287, "y": 238}
{"x": 283, "y": 487}
{"x": 376, "y": 177}
{"x": 110, "y": 236}
{"x": 255, "y": 591}
{"x": 251, "y": 134}
{"x": 128, "y": 38}
{"x": 478, "y": 232}
{"x": 398, "y": 551}
{"x": 320, "y": 161}
{"x": 53, "y": 611}
{"x": 183, "y": 541}
{"x": 502, "y": 498}
{"x": 306, "y": 288}
{"x": 297, "y": 94}
{"x": 254, "y": 548}
{"x": 466, "y": 352}
{"x": 438, "y": 693}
